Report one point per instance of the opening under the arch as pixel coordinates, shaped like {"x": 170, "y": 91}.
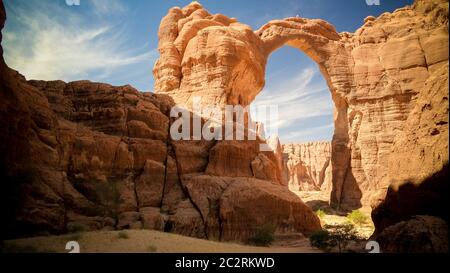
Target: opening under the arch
{"x": 304, "y": 126}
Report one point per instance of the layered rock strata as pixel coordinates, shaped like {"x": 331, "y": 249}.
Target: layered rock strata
{"x": 307, "y": 166}
{"x": 91, "y": 156}
{"x": 375, "y": 76}
{"x": 98, "y": 156}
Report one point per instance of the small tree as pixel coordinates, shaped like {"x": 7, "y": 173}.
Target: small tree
{"x": 109, "y": 197}
{"x": 334, "y": 236}
{"x": 341, "y": 235}
{"x": 320, "y": 239}
{"x": 264, "y": 235}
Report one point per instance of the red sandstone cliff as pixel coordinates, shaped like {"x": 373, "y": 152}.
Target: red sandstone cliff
{"x": 96, "y": 155}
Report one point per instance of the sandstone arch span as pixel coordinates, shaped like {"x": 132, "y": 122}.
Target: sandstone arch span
{"x": 373, "y": 74}
{"x": 223, "y": 62}
{"x": 319, "y": 40}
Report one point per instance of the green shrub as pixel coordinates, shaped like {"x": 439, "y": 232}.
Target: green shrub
{"x": 264, "y": 236}
{"x": 109, "y": 197}
{"x": 123, "y": 235}
{"x": 152, "y": 248}
{"x": 334, "y": 236}
{"x": 357, "y": 217}
{"x": 320, "y": 213}
{"x": 75, "y": 227}
{"x": 320, "y": 239}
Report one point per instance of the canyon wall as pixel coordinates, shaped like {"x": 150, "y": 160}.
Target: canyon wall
{"x": 100, "y": 157}
{"x": 307, "y": 166}
{"x": 375, "y": 76}
{"x": 91, "y": 156}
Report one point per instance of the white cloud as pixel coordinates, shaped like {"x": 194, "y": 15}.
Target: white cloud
{"x": 67, "y": 47}
{"x": 297, "y": 98}
{"x": 107, "y": 6}
{"x": 309, "y": 133}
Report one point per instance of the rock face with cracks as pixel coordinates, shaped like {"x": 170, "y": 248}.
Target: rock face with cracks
{"x": 91, "y": 156}
{"x": 307, "y": 166}
{"x": 96, "y": 156}
{"x": 376, "y": 77}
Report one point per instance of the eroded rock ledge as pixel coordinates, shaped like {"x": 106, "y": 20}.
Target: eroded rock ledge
{"x": 92, "y": 156}
{"x": 375, "y": 76}
{"x": 98, "y": 156}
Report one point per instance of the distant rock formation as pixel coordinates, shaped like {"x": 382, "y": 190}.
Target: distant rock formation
{"x": 307, "y": 166}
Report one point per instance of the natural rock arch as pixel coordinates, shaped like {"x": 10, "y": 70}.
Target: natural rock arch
{"x": 389, "y": 79}
{"x": 373, "y": 74}
{"x": 197, "y": 48}
{"x": 319, "y": 40}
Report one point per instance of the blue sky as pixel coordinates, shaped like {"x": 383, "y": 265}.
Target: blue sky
{"x": 115, "y": 41}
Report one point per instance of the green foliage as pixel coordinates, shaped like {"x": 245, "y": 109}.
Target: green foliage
{"x": 152, "y": 248}
{"x": 357, "y": 217}
{"x": 320, "y": 213}
{"x": 75, "y": 227}
{"x": 123, "y": 235}
{"x": 334, "y": 236}
{"x": 264, "y": 235}
{"x": 320, "y": 239}
{"x": 109, "y": 197}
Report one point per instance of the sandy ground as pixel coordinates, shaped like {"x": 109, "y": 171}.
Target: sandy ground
{"x": 148, "y": 241}
{"x": 318, "y": 200}
{"x": 141, "y": 241}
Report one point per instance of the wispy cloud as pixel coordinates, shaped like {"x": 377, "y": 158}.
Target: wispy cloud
{"x": 308, "y": 134}
{"x": 298, "y": 99}
{"x": 108, "y": 6}
{"x": 43, "y": 46}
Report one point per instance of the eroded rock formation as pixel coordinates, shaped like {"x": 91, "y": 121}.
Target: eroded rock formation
{"x": 421, "y": 234}
{"x": 374, "y": 75}
{"x": 307, "y": 166}
{"x": 92, "y": 156}
{"x": 100, "y": 156}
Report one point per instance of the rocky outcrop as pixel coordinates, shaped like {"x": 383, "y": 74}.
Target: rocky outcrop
{"x": 421, "y": 234}
{"x": 417, "y": 182}
{"x": 244, "y": 204}
{"x": 76, "y": 162}
{"x": 98, "y": 156}
{"x": 395, "y": 55}
{"x": 92, "y": 156}
{"x": 307, "y": 166}
{"x": 235, "y": 208}
{"x": 374, "y": 75}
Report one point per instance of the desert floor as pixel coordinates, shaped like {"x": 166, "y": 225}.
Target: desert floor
{"x": 149, "y": 241}
{"x": 140, "y": 241}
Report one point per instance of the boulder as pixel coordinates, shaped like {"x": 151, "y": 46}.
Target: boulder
{"x": 247, "y": 205}
{"x": 421, "y": 234}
